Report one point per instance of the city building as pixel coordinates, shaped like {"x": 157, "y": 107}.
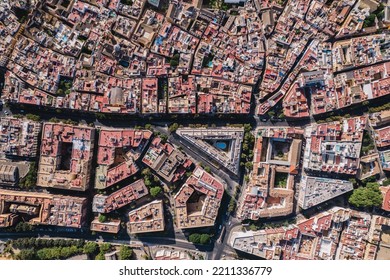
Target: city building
{"x": 19, "y": 137}
{"x": 9, "y": 174}
{"x": 334, "y": 234}
{"x": 295, "y": 103}
{"x": 270, "y": 190}
{"x": 147, "y": 218}
{"x": 42, "y": 209}
{"x": 168, "y": 162}
{"x": 198, "y": 200}
{"x": 382, "y": 137}
{"x": 386, "y": 198}
{"x": 182, "y": 95}
{"x": 221, "y": 145}
{"x": 335, "y": 147}
{"x": 316, "y": 190}
{"x": 155, "y": 3}
{"x": 369, "y": 166}
{"x": 378, "y": 247}
{"x": 66, "y": 156}
{"x": 379, "y": 118}
{"x": 353, "y": 240}
{"x": 111, "y": 226}
{"x": 8, "y": 220}
{"x": 166, "y": 254}
{"x": 120, "y": 198}
{"x": 118, "y": 150}
{"x": 384, "y": 158}
{"x": 222, "y": 96}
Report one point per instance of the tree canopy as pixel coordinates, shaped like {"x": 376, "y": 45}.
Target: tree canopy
{"x": 100, "y": 256}
{"x": 57, "y": 253}
{"x": 102, "y": 218}
{"x": 195, "y": 238}
{"x": 204, "y": 239}
{"x": 125, "y": 253}
{"x": 105, "y": 248}
{"x": 367, "y": 196}
{"x": 155, "y": 191}
{"x": 175, "y": 60}
{"x": 90, "y": 248}
{"x": 173, "y": 127}
{"x": 199, "y": 238}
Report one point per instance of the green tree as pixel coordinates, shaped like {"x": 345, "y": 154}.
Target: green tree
{"x": 23, "y": 226}
{"x": 57, "y": 253}
{"x": 369, "y": 196}
{"x": 173, "y": 127}
{"x": 155, "y": 191}
{"x": 249, "y": 165}
{"x": 253, "y": 227}
{"x": 353, "y": 181}
{"x": 195, "y": 238}
{"x": 125, "y": 253}
{"x": 33, "y": 117}
{"x": 30, "y": 179}
{"x": 54, "y": 120}
{"x": 102, "y": 218}
{"x": 174, "y": 63}
{"x": 105, "y": 248}
{"x": 100, "y": 256}
{"x": 232, "y": 205}
{"x": 205, "y": 239}
{"x": 271, "y": 113}
{"x": 175, "y": 60}
{"x": 27, "y": 254}
{"x": 146, "y": 172}
{"x": 90, "y": 248}
{"x": 147, "y": 182}
{"x": 207, "y": 169}
{"x": 164, "y": 138}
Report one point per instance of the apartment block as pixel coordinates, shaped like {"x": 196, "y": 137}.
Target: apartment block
{"x": 118, "y": 150}
{"x": 66, "y": 156}
{"x": 120, "y": 198}
{"x": 147, "y": 218}
{"x": 42, "y": 208}
{"x": 168, "y": 162}
{"x": 270, "y": 191}
{"x": 19, "y": 137}
{"x": 198, "y": 200}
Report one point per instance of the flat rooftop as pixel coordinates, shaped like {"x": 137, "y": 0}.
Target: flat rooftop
{"x": 316, "y": 190}
{"x": 198, "y": 200}
{"x": 147, "y": 218}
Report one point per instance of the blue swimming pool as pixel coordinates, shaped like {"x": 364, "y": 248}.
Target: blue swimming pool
{"x": 124, "y": 63}
{"x": 220, "y": 145}
{"x": 159, "y": 41}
